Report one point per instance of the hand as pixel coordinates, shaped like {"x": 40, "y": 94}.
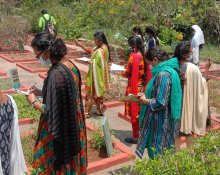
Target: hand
{"x": 142, "y": 98}
{"x": 77, "y": 43}
{"x": 31, "y": 98}
{"x": 35, "y": 90}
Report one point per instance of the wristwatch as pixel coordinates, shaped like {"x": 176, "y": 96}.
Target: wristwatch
{"x": 32, "y": 103}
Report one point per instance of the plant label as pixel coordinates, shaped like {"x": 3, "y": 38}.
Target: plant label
{"x": 15, "y": 78}
{"x": 107, "y": 136}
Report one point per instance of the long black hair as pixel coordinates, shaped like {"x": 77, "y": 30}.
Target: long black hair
{"x": 152, "y": 32}
{"x": 157, "y": 52}
{"x": 45, "y": 41}
{"x": 136, "y": 41}
{"x": 181, "y": 49}
{"x": 101, "y": 36}
{"x": 138, "y": 30}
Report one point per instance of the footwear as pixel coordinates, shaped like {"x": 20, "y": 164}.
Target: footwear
{"x": 131, "y": 140}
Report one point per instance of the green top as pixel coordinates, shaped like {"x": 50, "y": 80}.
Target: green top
{"x": 42, "y": 21}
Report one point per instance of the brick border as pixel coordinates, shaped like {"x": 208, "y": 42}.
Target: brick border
{"x": 2, "y": 73}
{"x": 10, "y": 91}
{"x": 108, "y": 104}
{"x": 26, "y": 121}
{"x": 8, "y": 52}
{"x": 22, "y": 65}
{"x": 122, "y": 116}
{"x": 5, "y": 57}
{"x": 43, "y": 75}
{"x": 125, "y": 156}
{"x": 213, "y": 77}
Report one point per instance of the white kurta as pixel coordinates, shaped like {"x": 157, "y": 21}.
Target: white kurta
{"x": 195, "y": 102}
{"x": 17, "y": 161}
{"x": 196, "y": 41}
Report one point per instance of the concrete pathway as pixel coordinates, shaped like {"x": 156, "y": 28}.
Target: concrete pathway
{"x": 121, "y": 128}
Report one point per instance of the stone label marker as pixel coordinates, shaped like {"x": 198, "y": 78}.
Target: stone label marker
{"x": 107, "y": 136}
{"x": 15, "y": 78}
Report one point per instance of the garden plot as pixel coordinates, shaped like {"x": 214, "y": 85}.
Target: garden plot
{"x": 18, "y": 57}
{"x": 97, "y": 155}
{"x": 33, "y": 67}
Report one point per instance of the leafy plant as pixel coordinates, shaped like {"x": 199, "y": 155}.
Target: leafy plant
{"x": 24, "y": 109}
{"x": 28, "y": 146}
{"x": 202, "y": 159}
{"x": 97, "y": 142}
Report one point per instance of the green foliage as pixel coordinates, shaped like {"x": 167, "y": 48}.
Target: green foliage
{"x": 28, "y": 146}
{"x": 97, "y": 142}
{"x": 24, "y": 109}
{"x": 210, "y": 51}
{"x": 82, "y": 18}
{"x": 202, "y": 159}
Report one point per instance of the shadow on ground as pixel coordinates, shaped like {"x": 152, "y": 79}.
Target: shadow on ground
{"x": 121, "y": 135}
{"x": 121, "y": 171}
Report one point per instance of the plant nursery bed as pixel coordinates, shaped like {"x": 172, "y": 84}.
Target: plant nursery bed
{"x": 77, "y": 54}
{"x": 215, "y": 75}
{"x": 43, "y": 75}
{"x": 15, "y": 51}
{"x": 33, "y": 67}
{"x": 18, "y": 57}
{"x": 2, "y": 73}
{"x": 121, "y": 154}
{"x": 110, "y": 100}
{"x": 26, "y": 121}
{"x": 98, "y": 159}
{"x": 6, "y": 85}
{"x": 27, "y": 114}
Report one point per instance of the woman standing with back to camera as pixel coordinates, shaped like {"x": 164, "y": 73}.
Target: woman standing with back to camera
{"x": 61, "y": 139}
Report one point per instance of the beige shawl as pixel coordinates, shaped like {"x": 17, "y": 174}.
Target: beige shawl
{"x": 195, "y": 102}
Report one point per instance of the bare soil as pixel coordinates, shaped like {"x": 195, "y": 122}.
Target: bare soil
{"x": 20, "y": 56}
{"x": 93, "y": 155}
{"x": 214, "y": 93}
{"x": 37, "y": 66}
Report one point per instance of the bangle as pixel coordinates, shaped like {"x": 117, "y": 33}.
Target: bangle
{"x": 32, "y": 103}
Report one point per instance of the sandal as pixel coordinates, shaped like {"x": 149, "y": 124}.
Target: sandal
{"x": 131, "y": 140}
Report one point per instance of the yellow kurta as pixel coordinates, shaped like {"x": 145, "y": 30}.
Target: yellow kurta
{"x": 97, "y": 80}
{"x": 195, "y": 102}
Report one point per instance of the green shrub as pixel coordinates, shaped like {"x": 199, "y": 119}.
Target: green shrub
{"x": 24, "y": 109}
{"x": 97, "y": 141}
{"x": 202, "y": 159}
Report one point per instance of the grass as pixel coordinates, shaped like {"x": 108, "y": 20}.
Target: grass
{"x": 214, "y": 92}
{"x": 210, "y": 51}
{"x": 24, "y": 109}
{"x": 28, "y": 145}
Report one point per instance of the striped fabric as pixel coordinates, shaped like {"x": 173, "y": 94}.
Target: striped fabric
{"x": 158, "y": 128}
{"x": 61, "y": 140}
